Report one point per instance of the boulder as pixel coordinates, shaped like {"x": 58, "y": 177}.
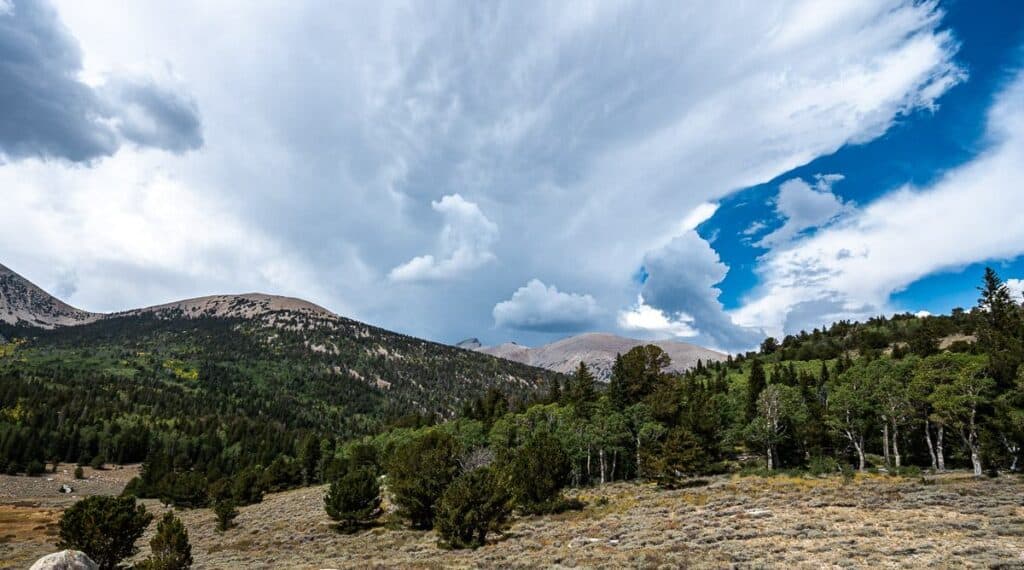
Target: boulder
{"x": 65, "y": 560}
{"x": 65, "y": 488}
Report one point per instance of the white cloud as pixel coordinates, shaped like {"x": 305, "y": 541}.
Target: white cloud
{"x": 587, "y": 153}
{"x": 971, "y": 214}
{"x": 465, "y": 243}
{"x": 646, "y": 319}
{"x": 538, "y": 307}
{"x": 1016, "y": 287}
{"x": 804, "y": 207}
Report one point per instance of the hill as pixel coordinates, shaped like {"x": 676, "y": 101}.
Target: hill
{"x": 598, "y": 351}
{"x": 219, "y": 384}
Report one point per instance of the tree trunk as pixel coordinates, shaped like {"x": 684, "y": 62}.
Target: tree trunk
{"x": 895, "y": 444}
{"x": 885, "y": 441}
{"x": 931, "y": 448}
{"x": 638, "y": 473}
{"x": 939, "y": 454}
{"x": 976, "y": 460}
{"x": 615, "y": 459}
{"x": 589, "y": 476}
{"x": 600, "y": 454}
{"x": 770, "y": 457}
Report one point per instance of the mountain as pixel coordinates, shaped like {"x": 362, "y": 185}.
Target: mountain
{"x": 410, "y": 375}
{"x": 597, "y": 351}
{"x": 23, "y": 303}
{"x": 210, "y": 388}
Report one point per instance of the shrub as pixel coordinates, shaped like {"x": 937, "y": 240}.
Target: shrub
{"x": 79, "y": 473}
{"x": 819, "y": 466}
{"x": 226, "y": 513}
{"x": 475, "y": 504}
{"x": 170, "y": 549}
{"x": 353, "y": 498}
{"x": 104, "y": 528}
{"x": 34, "y": 468}
{"x": 97, "y": 462}
{"x": 680, "y": 455}
{"x": 418, "y": 473}
{"x": 247, "y": 489}
{"x": 537, "y": 473}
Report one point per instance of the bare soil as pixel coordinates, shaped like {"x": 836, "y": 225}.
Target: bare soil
{"x": 873, "y": 521}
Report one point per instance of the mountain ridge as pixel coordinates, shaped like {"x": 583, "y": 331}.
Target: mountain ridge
{"x": 597, "y": 350}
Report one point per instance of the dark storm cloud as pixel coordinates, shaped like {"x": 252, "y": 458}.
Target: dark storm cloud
{"x": 46, "y": 111}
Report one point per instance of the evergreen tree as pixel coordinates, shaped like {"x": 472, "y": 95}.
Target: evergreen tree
{"x": 475, "y": 504}
{"x": 418, "y": 473}
{"x": 104, "y": 528}
{"x": 226, "y": 512}
{"x": 538, "y": 472}
{"x": 582, "y": 392}
{"x": 1000, "y": 329}
{"x": 756, "y": 382}
{"x": 354, "y": 498}
{"x": 170, "y": 547}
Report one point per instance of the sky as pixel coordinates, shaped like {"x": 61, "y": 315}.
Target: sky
{"x": 518, "y": 171}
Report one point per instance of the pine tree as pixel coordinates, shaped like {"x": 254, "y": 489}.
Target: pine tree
{"x": 474, "y": 505}
{"x": 354, "y": 498}
{"x": 104, "y": 528}
{"x": 226, "y": 512}
{"x": 755, "y": 384}
{"x": 582, "y": 392}
{"x": 170, "y": 547}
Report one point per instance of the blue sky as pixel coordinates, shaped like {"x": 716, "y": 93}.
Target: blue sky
{"x": 518, "y": 171}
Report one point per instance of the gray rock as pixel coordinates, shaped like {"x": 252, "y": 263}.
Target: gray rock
{"x": 65, "y": 560}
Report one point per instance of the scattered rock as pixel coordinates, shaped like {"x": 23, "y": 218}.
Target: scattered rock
{"x": 65, "y": 489}
{"x": 65, "y": 560}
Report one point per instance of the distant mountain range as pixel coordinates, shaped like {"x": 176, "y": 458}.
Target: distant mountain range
{"x": 407, "y": 374}
{"x": 596, "y": 350}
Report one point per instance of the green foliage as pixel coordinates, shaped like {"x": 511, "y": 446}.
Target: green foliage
{"x": 475, "y": 504}
{"x": 226, "y": 512}
{"x": 419, "y": 471}
{"x": 219, "y": 396}
{"x": 170, "y": 549}
{"x": 679, "y": 455}
{"x": 537, "y": 473}
{"x": 79, "y": 473}
{"x": 354, "y": 498}
{"x": 105, "y": 528}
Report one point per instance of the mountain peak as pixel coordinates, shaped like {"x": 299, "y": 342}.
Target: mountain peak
{"x": 24, "y": 303}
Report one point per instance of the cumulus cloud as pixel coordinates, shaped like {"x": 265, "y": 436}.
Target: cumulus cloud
{"x": 681, "y": 286}
{"x": 465, "y": 243}
{"x": 971, "y": 214}
{"x": 539, "y": 307}
{"x": 47, "y": 111}
{"x": 804, "y": 207}
{"x": 645, "y": 319}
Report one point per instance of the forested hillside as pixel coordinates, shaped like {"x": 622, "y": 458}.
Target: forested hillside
{"x": 213, "y": 397}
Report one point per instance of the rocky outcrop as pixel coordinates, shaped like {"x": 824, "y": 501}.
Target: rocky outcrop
{"x": 65, "y": 560}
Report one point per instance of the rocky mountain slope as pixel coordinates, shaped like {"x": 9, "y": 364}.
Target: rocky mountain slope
{"x": 597, "y": 351}
{"x": 292, "y": 336}
{"x": 23, "y": 303}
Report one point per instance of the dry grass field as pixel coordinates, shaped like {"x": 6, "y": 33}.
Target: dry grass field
{"x": 870, "y": 522}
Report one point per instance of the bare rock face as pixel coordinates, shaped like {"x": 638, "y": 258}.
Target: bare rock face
{"x": 22, "y": 302}
{"x": 65, "y": 560}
